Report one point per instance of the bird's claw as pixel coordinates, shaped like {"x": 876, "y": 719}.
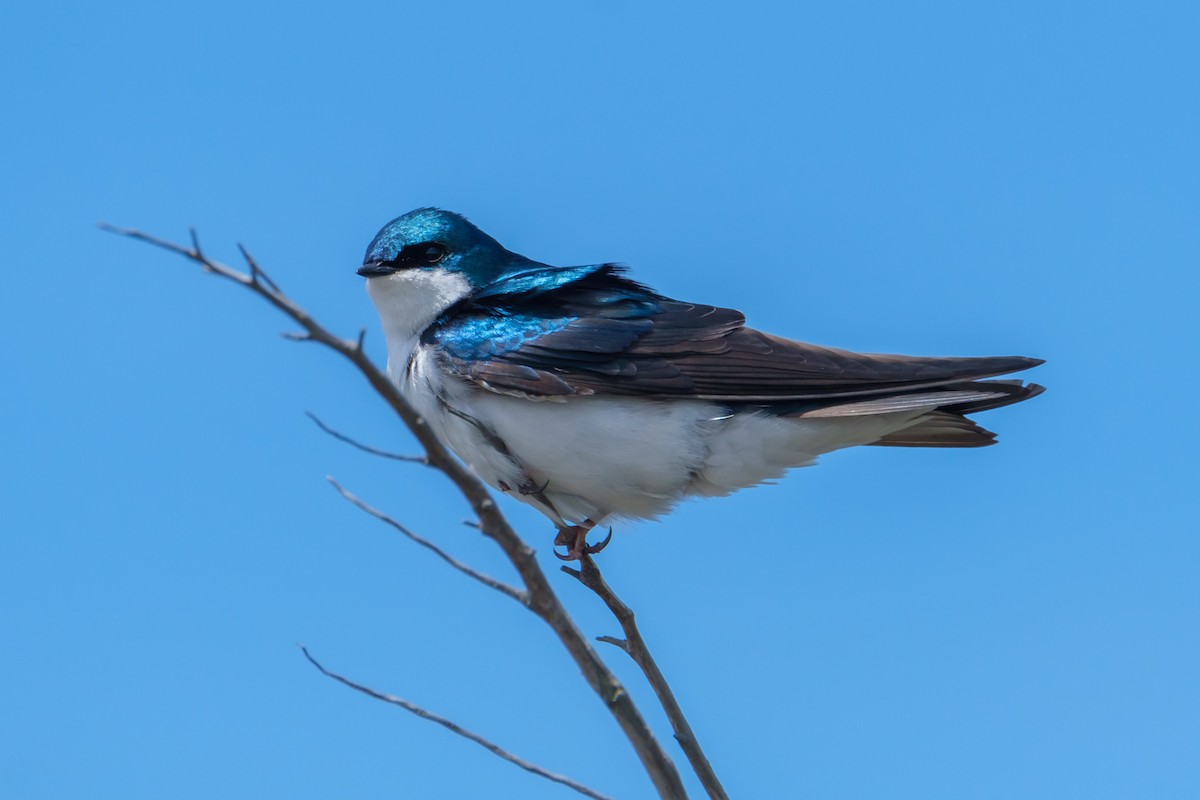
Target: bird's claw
{"x": 574, "y": 539}
{"x": 592, "y": 549}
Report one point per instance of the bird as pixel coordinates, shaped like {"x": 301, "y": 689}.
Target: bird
{"x": 591, "y": 397}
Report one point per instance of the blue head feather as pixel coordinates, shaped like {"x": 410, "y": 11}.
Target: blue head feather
{"x": 469, "y": 251}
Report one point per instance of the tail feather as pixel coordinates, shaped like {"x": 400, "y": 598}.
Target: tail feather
{"x": 948, "y": 426}
{"x": 940, "y": 429}
{"x": 1007, "y": 393}
{"x": 945, "y": 424}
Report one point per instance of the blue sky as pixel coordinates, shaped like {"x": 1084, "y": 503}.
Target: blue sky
{"x": 1018, "y": 621}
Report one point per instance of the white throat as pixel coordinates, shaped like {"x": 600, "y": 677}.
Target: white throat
{"x": 408, "y": 302}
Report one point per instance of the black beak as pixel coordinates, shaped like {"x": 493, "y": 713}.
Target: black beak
{"x": 373, "y": 269}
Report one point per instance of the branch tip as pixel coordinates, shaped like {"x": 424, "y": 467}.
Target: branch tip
{"x": 454, "y": 727}
{"x": 487, "y": 580}
{"x": 375, "y": 451}
{"x": 250, "y": 262}
{"x": 614, "y": 641}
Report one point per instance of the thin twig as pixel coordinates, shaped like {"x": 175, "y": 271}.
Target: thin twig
{"x": 543, "y": 600}
{"x": 256, "y": 272}
{"x": 454, "y": 728}
{"x": 341, "y": 437}
{"x": 614, "y": 641}
{"x": 590, "y": 576}
{"x": 511, "y": 591}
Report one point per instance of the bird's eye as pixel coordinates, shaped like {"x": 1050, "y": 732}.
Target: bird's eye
{"x": 425, "y": 254}
{"x": 431, "y": 253}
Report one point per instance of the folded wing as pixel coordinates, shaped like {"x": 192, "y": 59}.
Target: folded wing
{"x": 670, "y": 349}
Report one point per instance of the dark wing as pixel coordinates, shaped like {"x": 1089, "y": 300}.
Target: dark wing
{"x": 562, "y": 344}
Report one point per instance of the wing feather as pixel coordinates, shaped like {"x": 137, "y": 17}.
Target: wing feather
{"x": 560, "y": 343}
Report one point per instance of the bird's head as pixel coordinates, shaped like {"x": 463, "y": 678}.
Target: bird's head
{"x": 426, "y": 261}
{"x": 434, "y": 240}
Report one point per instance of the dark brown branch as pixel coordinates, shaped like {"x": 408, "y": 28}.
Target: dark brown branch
{"x": 455, "y": 728}
{"x": 543, "y": 600}
{"x": 341, "y": 437}
{"x": 590, "y": 576}
{"x": 510, "y": 591}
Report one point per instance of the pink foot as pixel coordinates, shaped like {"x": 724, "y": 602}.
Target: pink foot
{"x": 574, "y": 538}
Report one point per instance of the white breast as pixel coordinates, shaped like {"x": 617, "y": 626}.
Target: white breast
{"x": 597, "y": 456}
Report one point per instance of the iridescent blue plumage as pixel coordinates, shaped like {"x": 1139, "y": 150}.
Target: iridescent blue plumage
{"x": 468, "y": 250}
{"x": 535, "y": 281}
{"x": 520, "y": 309}
{"x": 427, "y": 225}
{"x": 476, "y": 336}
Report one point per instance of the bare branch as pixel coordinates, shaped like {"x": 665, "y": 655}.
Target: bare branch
{"x": 486, "y": 580}
{"x": 543, "y": 600}
{"x": 154, "y": 240}
{"x": 455, "y": 728}
{"x": 590, "y": 576}
{"x": 341, "y": 437}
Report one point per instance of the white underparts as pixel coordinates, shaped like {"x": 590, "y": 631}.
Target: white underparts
{"x": 604, "y": 456}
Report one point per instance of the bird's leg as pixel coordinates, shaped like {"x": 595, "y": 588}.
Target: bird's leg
{"x": 574, "y": 538}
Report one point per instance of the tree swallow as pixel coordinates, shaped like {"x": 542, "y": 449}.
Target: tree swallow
{"x": 590, "y": 396}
